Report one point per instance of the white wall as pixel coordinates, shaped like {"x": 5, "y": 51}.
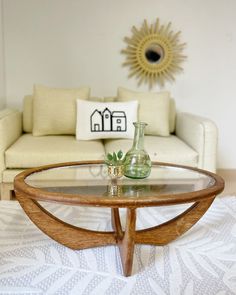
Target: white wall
{"x": 78, "y": 42}
{"x": 2, "y": 70}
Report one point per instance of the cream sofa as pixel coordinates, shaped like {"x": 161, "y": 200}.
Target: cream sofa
{"x": 192, "y": 142}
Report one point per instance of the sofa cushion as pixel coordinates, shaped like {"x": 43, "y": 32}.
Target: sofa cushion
{"x": 153, "y": 109}
{"x": 162, "y": 149}
{"x": 172, "y": 111}
{"x": 172, "y": 115}
{"x": 105, "y": 119}
{"x": 28, "y": 111}
{"x": 54, "y": 109}
{"x": 32, "y": 151}
{"x": 8, "y": 175}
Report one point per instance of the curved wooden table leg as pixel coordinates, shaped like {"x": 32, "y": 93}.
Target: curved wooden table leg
{"x": 116, "y": 224}
{"x": 172, "y": 229}
{"x": 127, "y": 242}
{"x": 62, "y": 232}
{"x": 79, "y": 238}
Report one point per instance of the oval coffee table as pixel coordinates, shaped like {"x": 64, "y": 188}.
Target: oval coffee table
{"x": 87, "y": 184}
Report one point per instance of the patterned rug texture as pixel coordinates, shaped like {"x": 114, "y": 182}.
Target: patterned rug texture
{"x": 201, "y": 262}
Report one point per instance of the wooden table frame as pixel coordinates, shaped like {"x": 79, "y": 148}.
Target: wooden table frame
{"x": 79, "y": 238}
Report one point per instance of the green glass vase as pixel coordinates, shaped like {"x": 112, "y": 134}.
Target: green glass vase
{"x": 137, "y": 163}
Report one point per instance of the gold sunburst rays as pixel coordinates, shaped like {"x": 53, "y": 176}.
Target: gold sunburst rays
{"x": 154, "y": 53}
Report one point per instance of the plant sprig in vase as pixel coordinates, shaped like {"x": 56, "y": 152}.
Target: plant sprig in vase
{"x": 115, "y": 158}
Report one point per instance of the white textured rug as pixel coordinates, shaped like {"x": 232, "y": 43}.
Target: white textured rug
{"x": 203, "y": 261}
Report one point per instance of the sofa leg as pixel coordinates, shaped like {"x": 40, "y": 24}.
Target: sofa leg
{"x": 7, "y": 191}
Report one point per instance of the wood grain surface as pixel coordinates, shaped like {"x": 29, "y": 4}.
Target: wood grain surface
{"x": 79, "y": 238}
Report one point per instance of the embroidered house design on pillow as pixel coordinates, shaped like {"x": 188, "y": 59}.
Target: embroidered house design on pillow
{"x": 98, "y": 120}
{"x": 108, "y": 121}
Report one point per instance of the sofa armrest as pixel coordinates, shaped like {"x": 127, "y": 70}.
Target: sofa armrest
{"x": 201, "y": 134}
{"x": 10, "y": 130}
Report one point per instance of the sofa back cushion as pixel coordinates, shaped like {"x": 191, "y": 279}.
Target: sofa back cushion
{"x": 54, "y": 109}
{"x": 153, "y": 109}
{"x": 28, "y": 112}
{"x": 172, "y": 111}
{"x": 172, "y": 115}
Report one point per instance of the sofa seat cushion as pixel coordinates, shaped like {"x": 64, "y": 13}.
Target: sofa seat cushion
{"x": 162, "y": 149}
{"x": 30, "y": 151}
{"x": 8, "y": 175}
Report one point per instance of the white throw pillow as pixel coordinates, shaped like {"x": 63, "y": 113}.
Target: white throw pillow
{"x": 153, "y": 109}
{"x": 97, "y": 120}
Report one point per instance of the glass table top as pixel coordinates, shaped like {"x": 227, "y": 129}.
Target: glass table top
{"x": 93, "y": 180}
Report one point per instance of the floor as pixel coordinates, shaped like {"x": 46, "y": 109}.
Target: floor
{"x": 202, "y": 261}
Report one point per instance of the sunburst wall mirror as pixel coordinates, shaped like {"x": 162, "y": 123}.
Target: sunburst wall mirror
{"x": 154, "y": 53}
